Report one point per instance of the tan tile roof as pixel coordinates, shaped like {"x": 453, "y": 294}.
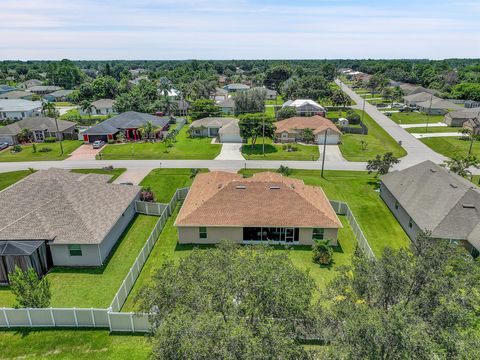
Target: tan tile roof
{"x": 317, "y": 123}
{"x": 267, "y": 199}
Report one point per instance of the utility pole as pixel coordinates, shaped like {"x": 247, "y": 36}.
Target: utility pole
{"x": 324, "y": 150}
{"x": 263, "y": 135}
{"x": 363, "y": 110}
{"x": 429, "y": 111}
{"x": 59, "y": 137}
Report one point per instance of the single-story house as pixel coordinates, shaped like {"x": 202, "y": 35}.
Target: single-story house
{"x": 6, "y": 88}
{"x": 412, "y": 89}
{"x": 59, "y": 95}
{"x": 226, "y": 129}
{"x": 128, "y": 122}
{"x": 17, "y": 94}
{"x": 414, "y": 99}
{"x": 30, "y": 83}
{"x": 269, "y": 94}
{"x": 290, "y": 130}
{"x": 428, "y": 197}
{"x": 101, "y": 107}
{"x": 44, "y": 89}
{"x": 18, "y": 109}
{"x": 437, "y": 106}
{"x": 473, "y": 125}
{"x": 236, "y": 87}
{"x": 227, "y": 106}
{"x": 60, "y": 218}
{"x": 40, "y": 127}
{"x": 266, "y": 208}
{"x": 306, "y": 107}
{"x": 219, "y": 95}
{"x": 459, "y": 117}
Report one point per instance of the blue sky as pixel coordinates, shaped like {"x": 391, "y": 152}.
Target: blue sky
{"x": 238, "y": 29}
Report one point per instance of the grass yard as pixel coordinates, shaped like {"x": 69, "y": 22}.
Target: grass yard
{"x": 164, "y": 182}
{"x": 433, "y": 129}
{"x": 74, "y": 115}
{"x": 72, "y": 344}
{"x": 184, "y": 148}
{"x": 378, "y": 142}
{"x": 115, "y": 173}
{"x": 278, "y": 101}
{"x": 63, "y": 103}
{"x": 415, "y": 118}
{"x": 452, "y": 146}
{"x": 276, "y": 151}
{"x": 9, "y": 178}
{"x": 95, "y": 287}
{"x": 27, "y": 153}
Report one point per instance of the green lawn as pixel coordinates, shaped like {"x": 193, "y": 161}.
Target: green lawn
{"x": 9, "y": 178}
{"x": 96, "y": 287}
{"x": 378, "y": 142}
{"x": 63, "y": 103}
{"x": 73, "y": 114}
{"x": 183, "y": 148}
{"x": 278, "y": 101}
{"x": 276, "y": 151}
{"x": 433, "y": 129}
{"x": 115, "y": 173}
{"x": 27, "y": 153}
{"x": 72, "y": 344}
{"x": 164, "y": 182}
{"x": 415, "y": 118}
{"x": 451, "y": 146}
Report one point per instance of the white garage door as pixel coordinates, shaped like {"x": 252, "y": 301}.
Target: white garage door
{"x": 332, "y": 139}
{"x": 230, "y": 138}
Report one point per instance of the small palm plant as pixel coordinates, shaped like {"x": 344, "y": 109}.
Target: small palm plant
{"x": 322, "y": 252}
{"x": 284, "y": 170}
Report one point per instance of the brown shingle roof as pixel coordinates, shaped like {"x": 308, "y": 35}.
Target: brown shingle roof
{"x": 317, "y": 123}
{"x": 267, "y": 199}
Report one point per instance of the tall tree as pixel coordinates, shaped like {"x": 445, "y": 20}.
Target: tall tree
{"x": 29, "y": 290}
{"x": 253, "y": 126}
{"x": 275, "y": 76}
{"x": 251, "y": 101}
{"x": 203, "y": 108}
{"x": 382, "y": 164}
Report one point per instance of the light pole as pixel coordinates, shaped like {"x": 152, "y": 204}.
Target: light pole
{"x": 263, "y": 135}
{"x": 429, "y": 111}
{"x": 363, "y": 110}
{"x": 324, "y": 150}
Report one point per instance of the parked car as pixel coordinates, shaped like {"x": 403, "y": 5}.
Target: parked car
{"x": 3, "y": 146}
{"x": 98, "y": 144}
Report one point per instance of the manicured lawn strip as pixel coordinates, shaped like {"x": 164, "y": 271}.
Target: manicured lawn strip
{"x": 27, "y": 153}
{"x": 76, "y": 113}
{"x": 452, "y": 146}
{"x": 9, "y": 178}
{"x": 276, "y": 152}
{"x": 358, "y": 190}
{"x": 270, "y": 110}
{"x": 164, "y": 182}
{"x": 378, "y": 140}
{"x": 166, "y": 248}
{"x": 415, "y": 118}
{"x": 183, "y": 148}
{"x": 115, "y": 173}
{"x": 278, "y": 101}
{"x": 433, "y": 129}
{"x": 72, "y": 344}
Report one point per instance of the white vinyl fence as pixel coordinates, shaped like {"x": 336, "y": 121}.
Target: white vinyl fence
{"x": 342, "y": 208}
{"x": 149, "y": 208}
{"x": 109, "y": 318}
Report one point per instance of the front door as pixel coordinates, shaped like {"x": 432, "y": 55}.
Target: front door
{"x": 289, "y": 235}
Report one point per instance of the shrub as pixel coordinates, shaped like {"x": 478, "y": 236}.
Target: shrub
{"x": 16, "y": 148}
{"x": 45, "y": 149}
{"x": 29, "y": 290}
{"x": 111, "y": 141}
{"x": 322, "y": 252}
{"x": 50, "y": 139}
{"x": 147, "y": 195}
{"x": 352, "y": 117}
{"x": 34, "y": 148}
{"x": 284, "y": 170}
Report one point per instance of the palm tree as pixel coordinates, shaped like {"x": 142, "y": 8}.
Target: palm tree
{"x": 87, "y": 107}
{"x": 48, "y": 109}
{"x": 147, "y": 130}
{"x": 164, "y": 86}
{"x": 194, "y": 173}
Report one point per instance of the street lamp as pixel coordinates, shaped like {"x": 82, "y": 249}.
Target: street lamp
{"x": 324, "y": 150}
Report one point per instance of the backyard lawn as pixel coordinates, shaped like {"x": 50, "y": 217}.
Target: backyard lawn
{"x": 27, "y": 153}
{"x": 277, "y": 151}
{"x": 95, "y": 287}
{"x": 183, "y": 148}
{"x": 378, "y": 142}
{"x": 415, "y": 118}
{"x": 9, "y": 178}
{"x": 433, "y": 129}
{"x": 115, "y": 173}
{"x": 451, "y": 146}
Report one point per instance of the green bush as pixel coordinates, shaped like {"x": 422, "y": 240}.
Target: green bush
{"x": 45, "y": 149}
{"x": 352, "y": 117}
{"x": 322, "y": 252}
{"x": 111, "y": 141}
{"x": 50, "y": 139}
{"x": 34, "y": 148}
{"x": 16, "y": 148}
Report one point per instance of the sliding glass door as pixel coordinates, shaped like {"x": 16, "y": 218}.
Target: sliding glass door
{"x": 270, "y": 234}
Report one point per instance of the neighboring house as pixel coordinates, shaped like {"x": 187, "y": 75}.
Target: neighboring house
{"x": 60, "y": 218}
{"x": 100, "y": 107}
{"x": 30, "y": 83}
{"x": 6, "y": 88}
{"x": 18, "y": 109}
{"x": 306, "y": 107}
{"x": 473, "y": 125}
{"x": 414, "y": 99}
{"x": 59, "y": 95}
{"x": 128, "y": 122}
{"x": 227, "y": 106}
{"x": 290, "y": 130}
{"x": 269, "y": 94}
{"x": 459, "y": 117}
{"x": 226, "y": 129}
{"x": 427, "y": 197}
{"x": 219, "y": 95}
{"x": 412, "y": 89}
{"x": 17, "y": 94}
{"x": 44, "y": 89}
{"x": 437, "y": 106}
{"x": 266, "y": 208}
{"x": 182, "y": 107}
{"x": 40, "y": 128}
{"x": 236, "y": 87}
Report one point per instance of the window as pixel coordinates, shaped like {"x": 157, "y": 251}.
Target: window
{"x": 284, "y": 135}
{"x": 318, "y": 234}
{"x": 202, "y": 232}
{"x": 410, "y": 223}
{"x": 396, "y": 204}
{"x": 75, "y": 250}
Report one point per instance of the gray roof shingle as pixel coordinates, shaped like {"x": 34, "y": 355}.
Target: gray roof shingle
{"x": 36, "y": 123}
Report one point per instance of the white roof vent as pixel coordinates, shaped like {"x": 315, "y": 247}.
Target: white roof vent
{"x": 240, "y": 187}
{"x": 433, "y": 170}
{"x": 274, "y": 187}
{"x": 468, "y": 206}
{"x": 454, "y": 186}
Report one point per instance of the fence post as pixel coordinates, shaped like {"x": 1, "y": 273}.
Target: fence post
{"x": 131, "y": 322}
{"x": 53, "y": 317}
{"x": 109, "y": 310}
{"x": 29, "y": 317}
{"x": 93, "y": 318}
{"x": 75, "y": 316}
{"x": 6, "y": 318}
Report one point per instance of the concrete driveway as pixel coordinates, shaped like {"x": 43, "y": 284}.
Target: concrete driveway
{"x": 231, "y": 151}
{"x": 134, "y": 176}
{"x": 332, "y": 153}
{"x": 84, "y": 152}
